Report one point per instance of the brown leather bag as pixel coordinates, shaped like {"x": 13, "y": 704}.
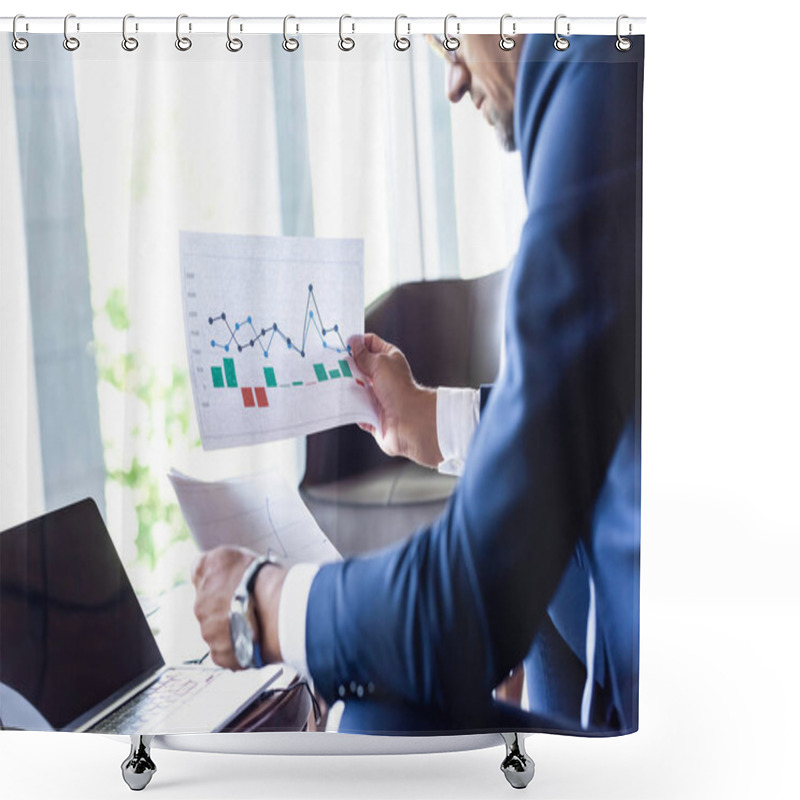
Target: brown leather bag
{"x": 276, "y": 710}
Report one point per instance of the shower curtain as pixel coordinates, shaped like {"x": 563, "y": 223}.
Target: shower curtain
{"x": 371, "y": 311}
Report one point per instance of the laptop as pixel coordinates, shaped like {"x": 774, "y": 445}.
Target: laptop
{"x": 76, "y": 652}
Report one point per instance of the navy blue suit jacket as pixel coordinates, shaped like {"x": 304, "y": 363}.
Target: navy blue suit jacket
{"x": 553, "y": 468}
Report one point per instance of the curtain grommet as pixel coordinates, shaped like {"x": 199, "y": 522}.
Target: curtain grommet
{"x": 289, "y": 44}
{"x": 129, "y": 43}
{"x": 346, "y": 43}
{"x": 560, "y": 43}
{"x": 506, "y": 42}
{"x": 233, "y": 44}
{"x": 401, "y": 43}
{"x": 451, "y": 42}
{"x": 183, "y": 43}
{"x": 622, "y": 44}
{"x": 18, "y": 43}
{"x": 71, "y": 43}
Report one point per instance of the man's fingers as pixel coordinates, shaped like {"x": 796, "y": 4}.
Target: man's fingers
{"x": 196, "y": 568}
{"x": 364, "y": 358}
{"x": 375, "y": 344}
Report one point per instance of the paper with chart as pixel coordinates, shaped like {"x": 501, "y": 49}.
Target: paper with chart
{"x": 267, "y": 320}
{"x": 260, "y": 512}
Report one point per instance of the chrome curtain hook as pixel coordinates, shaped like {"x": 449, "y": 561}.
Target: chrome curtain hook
{"x": 183, "y": 43}
{"x": 345, "y": 42}
{"x": 451, "y": 42}
{"x": 560, "y": 43}
{"x": 70, "y": 43}
{"x": 129, "y": 43}
{"x": 506, "y": 42}
{"x": 401, "y": 43}
{"x": 234, "y": 45}
{"x": 19, "y": 44}
{"x": 623, "y": 44}
{"x": 289, "y": 44}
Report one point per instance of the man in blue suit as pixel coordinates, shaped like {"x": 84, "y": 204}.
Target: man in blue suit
{"x": 536, "y": 557}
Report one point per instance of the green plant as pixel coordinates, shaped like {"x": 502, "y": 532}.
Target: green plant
{"x": 164, "y": 417}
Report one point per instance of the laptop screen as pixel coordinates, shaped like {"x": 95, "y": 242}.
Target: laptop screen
{"x": 72, "y": 633}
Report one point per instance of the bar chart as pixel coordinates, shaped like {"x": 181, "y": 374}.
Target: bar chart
{"x": 224, "y": 377}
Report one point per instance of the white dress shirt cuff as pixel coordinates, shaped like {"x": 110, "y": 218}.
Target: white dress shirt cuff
{"x": 292, "y": 615}
{"x": 457, "y": 414}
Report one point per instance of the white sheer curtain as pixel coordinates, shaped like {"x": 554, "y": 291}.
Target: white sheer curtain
{"x": 392, "y": 161}
{"x": 21, "y": 489}
{"x": 361, "y": 144}
{"x": 182, "y": 141}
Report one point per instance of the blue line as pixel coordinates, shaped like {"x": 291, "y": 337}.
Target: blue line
{"x": 308, "y": 321}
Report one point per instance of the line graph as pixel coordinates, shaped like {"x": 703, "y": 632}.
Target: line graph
{"x": 309, "y": 320}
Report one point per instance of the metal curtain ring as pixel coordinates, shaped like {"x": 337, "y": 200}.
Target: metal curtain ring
{"x": 561, "y": 43}
{"x": 345, "y": 42}
{"x": 451, "y": 42}
{"x": 128, "y": 42}
{"x": 623, "y": 44}
{"x": 506, "y": 42}
{"x": 290, "y": 45}
{"x": 183, "y": 43}
{"x": 401, "y": 43}
{"x": 19, "y": 44}
{"x": 234, "y": 45}
{"x": 70, "y": 42}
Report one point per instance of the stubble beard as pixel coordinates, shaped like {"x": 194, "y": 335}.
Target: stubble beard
{"x": 504, "y": 128}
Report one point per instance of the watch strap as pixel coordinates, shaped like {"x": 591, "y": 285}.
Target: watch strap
{"x": 255, "y": 568}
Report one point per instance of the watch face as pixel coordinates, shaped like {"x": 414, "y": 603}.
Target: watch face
{"x": 242, "y": 639}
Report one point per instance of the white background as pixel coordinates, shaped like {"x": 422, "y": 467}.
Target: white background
{"x": 720, "y": 533}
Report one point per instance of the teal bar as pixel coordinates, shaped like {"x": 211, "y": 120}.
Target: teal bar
{"x": 334, "y": 373}
{"x": 216, "y": 376}
{"x": 320, "y": 370}
{"x": 345, "y": 368}
{"x": 269, "y": 374}
{"x": 297, "y": 383}
{"x": 230, "y": 373}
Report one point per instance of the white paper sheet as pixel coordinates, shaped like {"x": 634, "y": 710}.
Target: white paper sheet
{"x": 267, "y": 320}
{"x": 261, "y": 512}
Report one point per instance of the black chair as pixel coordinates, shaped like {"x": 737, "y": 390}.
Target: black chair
{"x": 451, "y": 333}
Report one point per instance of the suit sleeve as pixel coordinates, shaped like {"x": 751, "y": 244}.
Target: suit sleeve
{"x": 444, "y": 617}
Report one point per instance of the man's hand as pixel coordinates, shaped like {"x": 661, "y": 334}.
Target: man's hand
{"x": 407, "y": 411}
{"x": 510, "y": 690}
{"x": 215, "y": 576}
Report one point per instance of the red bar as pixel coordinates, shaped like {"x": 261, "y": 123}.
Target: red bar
{"x": 360, "y": 383}
{"x": 261, "y": 397}
{"x": 247, "y": 396}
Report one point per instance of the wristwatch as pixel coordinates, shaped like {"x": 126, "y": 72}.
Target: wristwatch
{"x": 247, "y": 649}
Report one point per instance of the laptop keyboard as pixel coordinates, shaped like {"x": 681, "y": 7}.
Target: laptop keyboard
{"x": 141, "y": 712}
